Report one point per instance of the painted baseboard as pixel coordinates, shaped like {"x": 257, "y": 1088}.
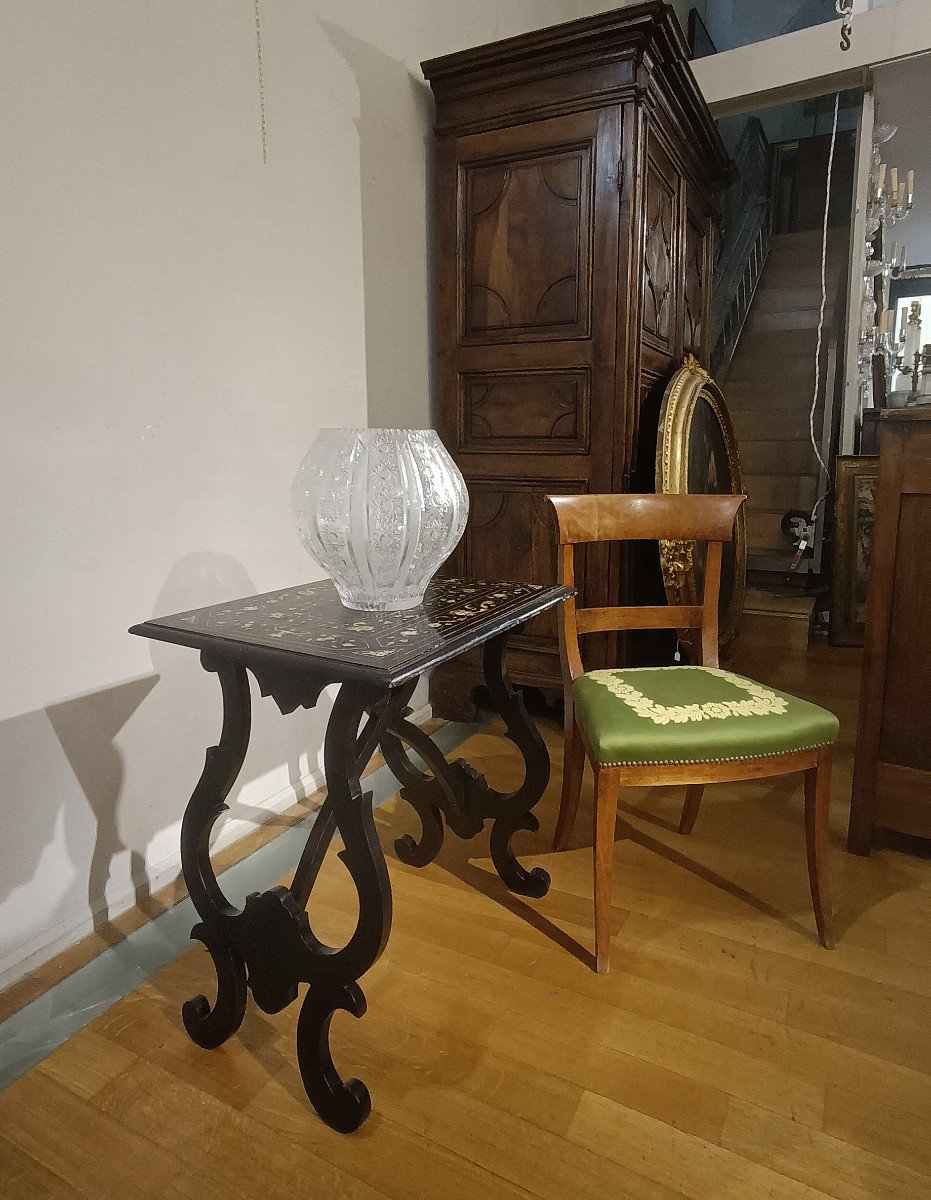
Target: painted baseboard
{"x": 154, "y": 876}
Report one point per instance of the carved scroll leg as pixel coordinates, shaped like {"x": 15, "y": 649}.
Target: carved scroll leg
{"x": 344, "y": 1105}
{"x": 428, "y": 794}
{"x": 333, "y": 974}
{"x": 420, "y": 852}
{"x": 514, "y": 808}
{"x": 210, "y": 1027}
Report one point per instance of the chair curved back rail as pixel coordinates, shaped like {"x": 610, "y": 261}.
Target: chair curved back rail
{"x": 616, "y": 518}
{"x": 650, "y": 517}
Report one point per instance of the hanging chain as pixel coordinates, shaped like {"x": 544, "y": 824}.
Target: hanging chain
{"x": 258, "y": 48}
{"x": 844, "y": 9}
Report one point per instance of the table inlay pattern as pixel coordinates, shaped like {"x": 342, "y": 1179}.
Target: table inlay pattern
{"x": 310, "y": 619}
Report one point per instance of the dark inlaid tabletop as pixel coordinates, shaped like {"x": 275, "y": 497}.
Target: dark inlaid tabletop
{"x": 387, "y": 647}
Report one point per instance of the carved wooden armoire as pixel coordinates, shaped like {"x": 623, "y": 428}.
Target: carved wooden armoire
{"x": 577, "y": 173}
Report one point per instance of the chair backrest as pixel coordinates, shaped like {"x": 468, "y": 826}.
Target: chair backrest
{"x": 616, "y": 518}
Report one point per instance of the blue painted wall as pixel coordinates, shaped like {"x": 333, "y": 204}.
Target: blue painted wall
{"x": 733, "y": 23}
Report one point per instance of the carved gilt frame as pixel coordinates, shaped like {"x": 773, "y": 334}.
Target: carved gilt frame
{"x": 690, "y": 384}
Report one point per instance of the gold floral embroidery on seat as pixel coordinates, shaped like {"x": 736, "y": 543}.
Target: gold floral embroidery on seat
{"x": 763, "y": 702}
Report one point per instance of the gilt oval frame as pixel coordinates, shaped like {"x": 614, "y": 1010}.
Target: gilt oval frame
{"x": 690, "y": 384}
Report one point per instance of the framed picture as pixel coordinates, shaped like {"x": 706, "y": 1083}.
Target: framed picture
{"x": 696, "y": 452}
{"x": 854, "y": 514}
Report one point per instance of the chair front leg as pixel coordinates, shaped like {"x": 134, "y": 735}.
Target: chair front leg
{"x": 573, "y": 768}
{"x": 607, "y": 781}
{"x": 817, "y": 816}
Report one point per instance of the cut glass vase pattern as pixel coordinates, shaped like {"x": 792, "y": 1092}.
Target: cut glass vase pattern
{"x": 380, "y": 510}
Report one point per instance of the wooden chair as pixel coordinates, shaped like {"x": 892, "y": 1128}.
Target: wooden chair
{"x": 655, "y": 726}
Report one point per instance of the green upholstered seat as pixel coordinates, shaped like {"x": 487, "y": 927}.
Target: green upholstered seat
{"x": 655, "y": 715}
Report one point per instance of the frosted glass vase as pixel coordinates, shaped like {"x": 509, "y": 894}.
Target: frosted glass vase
{"x": 380, "y": 510}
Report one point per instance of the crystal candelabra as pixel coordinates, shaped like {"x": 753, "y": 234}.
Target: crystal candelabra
{"x": 889, "y": 201}
{"x": 909, "y": 360}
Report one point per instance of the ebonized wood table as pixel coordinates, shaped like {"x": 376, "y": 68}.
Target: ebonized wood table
{"x": 294, "y": 643}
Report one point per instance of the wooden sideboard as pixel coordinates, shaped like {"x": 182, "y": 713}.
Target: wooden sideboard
{"x": 577, "y": 178}
{"x": 892, "y": 766}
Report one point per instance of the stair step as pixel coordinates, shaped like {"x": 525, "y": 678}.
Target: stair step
{"x": 764, "y": 532}
{"x": 776, "y": 297}
{"x": 778, "y": 602}
{"x": 770, "y": 425}
{"x": 810, "y": 252}
{"x": 838, "y": 235}
{"x": 781, "y": 492}
{"x": 801, "y": 319}
{"x": 786, "y": 343}
{"x": 794, "y": 394}
{"x": 794, "y": 278}
{"x": 776, "y": 620}
{"x": 776, "y": 457}
{"x": 748, "y": 367}
{"x": 807, "y": 261}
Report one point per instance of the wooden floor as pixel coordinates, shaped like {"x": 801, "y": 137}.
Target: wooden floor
{"x": 726, "y": 1056}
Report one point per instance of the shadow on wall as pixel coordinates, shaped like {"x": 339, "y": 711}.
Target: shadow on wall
{"x": 396, "y": 170}
{"x": 187, "y": 707}
{"x": 101, "y": 780}
{"x": 87, "y": 727}
{"x": 49, "y": 758}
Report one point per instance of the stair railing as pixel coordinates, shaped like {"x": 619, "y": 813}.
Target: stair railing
{"x": 747, "y": 220}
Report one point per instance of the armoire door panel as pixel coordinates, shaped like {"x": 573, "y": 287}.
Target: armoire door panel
{"x": 515, "y": 513}
{"x": 569, "y": 355}
{"x": 659, "y": 254}
{"x": 538, "y": 411}
{"x": 524, "y": 231}
{"x": 526, "y": 259}
{"x": 696, "y": 283}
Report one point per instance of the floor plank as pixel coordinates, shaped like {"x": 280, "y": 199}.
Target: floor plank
{"x": 670, "y": 1157}
{"x": 826, "y": 1163}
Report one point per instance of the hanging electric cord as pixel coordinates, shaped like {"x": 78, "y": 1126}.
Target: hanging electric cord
{"x": 824, "y": 297}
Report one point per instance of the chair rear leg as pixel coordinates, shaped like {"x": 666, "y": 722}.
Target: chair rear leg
{"x": 572, "y": 770}
{"x": 817, "y": 812}
{"x": 607, "y": 780}
{"x": 693, "y": 795}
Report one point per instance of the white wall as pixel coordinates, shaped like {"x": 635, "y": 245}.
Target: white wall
{"x": 177, "y": 320}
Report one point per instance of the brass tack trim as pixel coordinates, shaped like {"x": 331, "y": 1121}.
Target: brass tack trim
{"x": 698, "y": 762}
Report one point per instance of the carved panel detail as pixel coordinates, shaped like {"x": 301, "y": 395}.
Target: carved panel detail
{"x": 660, "y": 220}
{"x": 541, "y": 411}
{"x": 525, "y": 259}
{"x": 515, "y": 513}
{"x": 693, "y": 288}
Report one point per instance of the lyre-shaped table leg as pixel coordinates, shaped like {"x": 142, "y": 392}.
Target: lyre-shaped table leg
{"x": 333, "y": 974}
{"x": 211, "y": 1026}
{"x": 269, "y": 945}
{"x": 456, "y": 791}
{"x": 513, "y": 810}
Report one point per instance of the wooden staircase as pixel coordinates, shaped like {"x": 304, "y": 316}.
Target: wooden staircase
{"x": 777, "y": 619}
{"x": 770, "y": 382}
